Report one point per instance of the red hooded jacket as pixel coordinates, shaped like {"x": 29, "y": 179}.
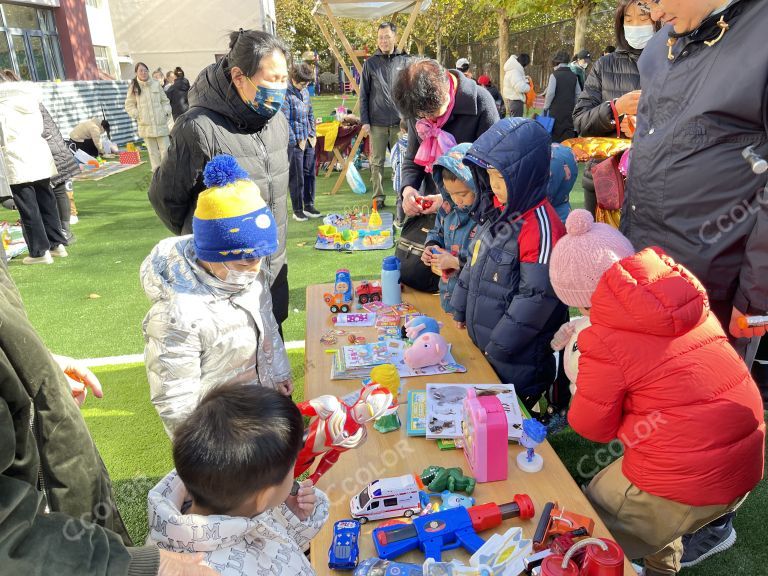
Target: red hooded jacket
{"x": 657, "y": 372}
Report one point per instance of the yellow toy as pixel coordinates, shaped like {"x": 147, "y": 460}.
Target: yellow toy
{"x": 374, "y": 221}
{"x": 387, "y": 377}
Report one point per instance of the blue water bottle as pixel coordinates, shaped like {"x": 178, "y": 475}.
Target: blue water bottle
{"x": 390, "y": 281}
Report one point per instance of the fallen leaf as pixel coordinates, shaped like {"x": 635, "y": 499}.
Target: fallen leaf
{"x": 93, "y": 296}
{"x": 301, "y": 244}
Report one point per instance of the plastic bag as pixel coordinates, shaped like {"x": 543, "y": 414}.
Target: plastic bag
{"x": 355, "y": 181}
{"x": 84, "y": 157}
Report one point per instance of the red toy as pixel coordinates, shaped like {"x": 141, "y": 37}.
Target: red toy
{"x": 556, "y": 521}
{"x": 336, "y": 427}
{"x": 368, "y": 292}
{"x": 425, "y": 203}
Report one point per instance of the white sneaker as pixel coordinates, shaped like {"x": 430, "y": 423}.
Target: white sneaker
{"x": 60, "y": 251}
{"x": 44, "y": 259}
{"x": 73, "y": 219}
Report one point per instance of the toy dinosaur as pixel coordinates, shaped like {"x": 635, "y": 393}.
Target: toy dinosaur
{"x": 439, "y": 479}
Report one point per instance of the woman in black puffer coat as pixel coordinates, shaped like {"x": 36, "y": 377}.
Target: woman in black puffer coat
{"x": 614, "y": 77}
{"x": 178, "y": 94}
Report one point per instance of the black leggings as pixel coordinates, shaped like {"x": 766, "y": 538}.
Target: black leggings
{"x": 39, "y": 216}
{"x": 88, "y": 146}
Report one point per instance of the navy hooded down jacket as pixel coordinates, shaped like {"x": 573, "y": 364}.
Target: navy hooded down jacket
{"x": 504, "y": 294}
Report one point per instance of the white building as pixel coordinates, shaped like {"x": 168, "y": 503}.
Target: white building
{"x": 191, "y": 34}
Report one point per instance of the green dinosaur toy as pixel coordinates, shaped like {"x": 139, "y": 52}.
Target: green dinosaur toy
{"x": 437, "y": 479}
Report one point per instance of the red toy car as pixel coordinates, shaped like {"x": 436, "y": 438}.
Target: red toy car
{"x": 368, "y": 292}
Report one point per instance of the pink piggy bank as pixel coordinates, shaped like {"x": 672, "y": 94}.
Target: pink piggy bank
{"x": 427, "y": 350}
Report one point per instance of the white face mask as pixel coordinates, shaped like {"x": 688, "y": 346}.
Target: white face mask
{"x": 240, "y": 278}
{"x": 639, "y": 36}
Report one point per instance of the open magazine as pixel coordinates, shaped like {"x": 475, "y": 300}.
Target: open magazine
{"x": 445, "y": 408}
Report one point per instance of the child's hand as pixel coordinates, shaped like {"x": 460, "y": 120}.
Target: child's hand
{"x": 563, "y": 335}
{"x": 461, "y": 325}
{"x": 446, "y": 261}
{"x": 303, "y": 504}
{"x": 285, "y": 387}
{"x": 427, "y": 256}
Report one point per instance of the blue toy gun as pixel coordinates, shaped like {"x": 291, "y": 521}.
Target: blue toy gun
{"x": 448, "y": 529}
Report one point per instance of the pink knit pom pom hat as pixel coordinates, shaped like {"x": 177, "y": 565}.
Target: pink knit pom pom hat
{"x": 581, "y": 257}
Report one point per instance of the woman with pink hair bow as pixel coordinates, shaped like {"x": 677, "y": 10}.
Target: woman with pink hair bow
{"x": 442, "y": 108}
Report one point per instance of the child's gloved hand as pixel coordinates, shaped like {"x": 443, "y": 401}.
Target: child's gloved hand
{"x": 303, "y": 504}
{"x": 563, "y": 335}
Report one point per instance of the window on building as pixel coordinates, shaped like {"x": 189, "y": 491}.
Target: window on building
{"x": 104, "y": 60}
{"x": 94, "y": 3}
{"x": 29, "y": 42}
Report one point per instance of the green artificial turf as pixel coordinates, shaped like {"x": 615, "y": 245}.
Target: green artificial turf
{"x": 117, "y": 230}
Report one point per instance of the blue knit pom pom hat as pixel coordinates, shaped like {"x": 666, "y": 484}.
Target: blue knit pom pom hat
{"x": 232, "y": 221}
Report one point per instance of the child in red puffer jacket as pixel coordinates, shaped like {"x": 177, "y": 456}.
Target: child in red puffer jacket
{"x": 657, "y": 372}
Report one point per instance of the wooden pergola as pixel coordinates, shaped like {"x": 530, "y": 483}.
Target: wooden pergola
{"x": 334, "y": 9}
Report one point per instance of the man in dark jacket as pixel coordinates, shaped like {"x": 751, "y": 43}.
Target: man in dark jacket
{"x": 58, "y": 512}
{"x": 378, "y": 112}
{"x": 689, "y": 189}
{"x": 220, "y": 122}
{"x": 504, "y": 296}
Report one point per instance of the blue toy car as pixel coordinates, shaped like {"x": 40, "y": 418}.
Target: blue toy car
{"x": 343, "y": 554}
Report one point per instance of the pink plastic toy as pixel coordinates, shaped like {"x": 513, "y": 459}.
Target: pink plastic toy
{"x": 485, "y": 437}
{"x": 427, "y": 350}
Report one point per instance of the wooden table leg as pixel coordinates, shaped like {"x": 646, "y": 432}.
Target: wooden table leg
{"x": 350, "y": 158}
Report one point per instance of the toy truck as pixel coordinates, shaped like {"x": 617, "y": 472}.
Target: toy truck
{"x": 389, "y": 498}
{"x": 368, "y": 292}
{"x": 340, "y": 300}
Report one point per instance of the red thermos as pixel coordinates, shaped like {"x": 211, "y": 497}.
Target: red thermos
{"x": 602, "y": 558}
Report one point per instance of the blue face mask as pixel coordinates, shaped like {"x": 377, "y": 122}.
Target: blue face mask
{"x": 267, "y": 101}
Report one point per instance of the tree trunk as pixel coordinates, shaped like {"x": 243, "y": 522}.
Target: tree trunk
{"x": 439, "y": 47}
{"x": 421, "y": 46}
{"x": 582, "y": 12}
{"x": 503, "y": 44}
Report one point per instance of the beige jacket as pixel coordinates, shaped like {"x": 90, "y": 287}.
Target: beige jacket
{"x": 151, "y": 109}
{"x": 27, "y": 155}
{"x": 88, "y": 129}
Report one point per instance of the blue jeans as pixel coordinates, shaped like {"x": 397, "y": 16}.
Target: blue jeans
{"x": 301, "y": 177}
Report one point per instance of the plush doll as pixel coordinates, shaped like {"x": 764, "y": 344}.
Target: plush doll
{"x": 566, "y": 339}
{"x": 335, "y": 427}
{"x": 429, "y": 347}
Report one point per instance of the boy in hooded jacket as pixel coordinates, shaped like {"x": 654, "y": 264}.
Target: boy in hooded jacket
{"x": 448, "y": 242}
{"x": 211, "y": 321}
{"x": 657, "y": 372}
{"x": 503, "y": 295}
{"x": 232, "y": 495}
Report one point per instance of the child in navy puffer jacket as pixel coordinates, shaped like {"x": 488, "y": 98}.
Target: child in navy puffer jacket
{"x": 504, "y": 296}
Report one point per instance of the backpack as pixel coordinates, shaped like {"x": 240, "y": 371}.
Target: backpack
{"x": 409, "y": 249}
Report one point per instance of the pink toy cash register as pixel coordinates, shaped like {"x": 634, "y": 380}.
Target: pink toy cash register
{"x": 485, "y": 437}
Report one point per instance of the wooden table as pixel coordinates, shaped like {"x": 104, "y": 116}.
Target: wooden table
{"x": 395, "y": 454}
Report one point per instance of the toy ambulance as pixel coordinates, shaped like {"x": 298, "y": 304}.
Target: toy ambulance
{"x": 389, "y": 498}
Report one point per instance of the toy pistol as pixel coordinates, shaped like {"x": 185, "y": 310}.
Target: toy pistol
{"x": 555, "y": 521}
{"x": 448, "y": 529}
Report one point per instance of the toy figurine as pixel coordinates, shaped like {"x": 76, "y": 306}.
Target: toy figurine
{"x": 427, "y": 350}
{"x": 386, "y": 376}
{"x": 534, "y": 433}
{"x": 452, "y": 500}
{"x": 340, "y": 300}
{"x": 335, "y": 427}
{"x": 438, "y": 479}
{"x": 420, "y": 325}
